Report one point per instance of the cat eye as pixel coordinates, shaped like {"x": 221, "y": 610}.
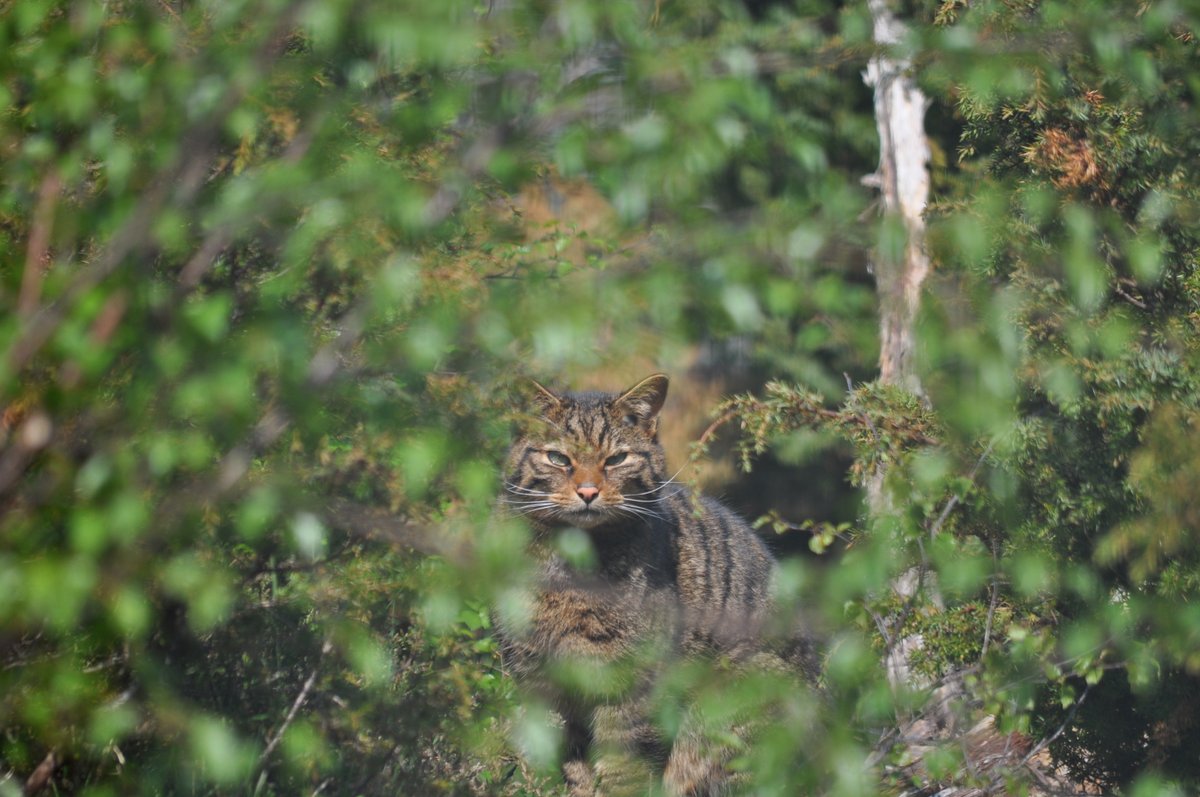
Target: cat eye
{"x": 559, "y": 459}
{"x": 615, "y": 459}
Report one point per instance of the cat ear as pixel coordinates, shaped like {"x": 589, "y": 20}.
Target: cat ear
{"x": 544, "y": 399}
{"x": 538, "y": 409}
{"x": 640, "y": 404}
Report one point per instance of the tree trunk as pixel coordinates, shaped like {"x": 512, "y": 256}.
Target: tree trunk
{"x": 900, "y": 272}
{"x": 903, "y": 180}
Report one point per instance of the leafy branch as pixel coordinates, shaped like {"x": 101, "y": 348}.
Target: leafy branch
{"x": 882, "y": 422}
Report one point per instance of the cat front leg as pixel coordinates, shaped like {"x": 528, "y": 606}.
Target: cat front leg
{"x": 580, "y": 778}
{"x": 577, "y": 769}
{"x": 693, "y": 772}
{"x": 628, "y": 751}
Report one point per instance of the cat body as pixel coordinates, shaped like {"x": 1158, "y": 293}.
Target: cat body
{"x": 670, "y": 572}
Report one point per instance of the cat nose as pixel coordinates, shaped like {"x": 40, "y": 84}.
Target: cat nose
{"x": 587, "y": 492}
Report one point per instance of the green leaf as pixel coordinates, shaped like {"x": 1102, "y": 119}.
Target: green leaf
{"x": 209, "y": 316}
{"x": 219, "y": 755}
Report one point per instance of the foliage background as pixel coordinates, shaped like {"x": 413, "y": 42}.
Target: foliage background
{"x": 273, "y": 274}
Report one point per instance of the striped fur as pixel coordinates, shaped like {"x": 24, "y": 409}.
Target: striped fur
{"x": 671, "y": 570}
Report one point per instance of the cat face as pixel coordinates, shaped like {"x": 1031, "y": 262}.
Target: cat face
{"x": 590, "y": 459}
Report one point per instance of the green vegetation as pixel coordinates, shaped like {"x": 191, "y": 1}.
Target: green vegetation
{"x": 273, "y": 274}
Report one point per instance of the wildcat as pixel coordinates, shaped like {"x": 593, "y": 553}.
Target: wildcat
{"x": 669, "y": 569}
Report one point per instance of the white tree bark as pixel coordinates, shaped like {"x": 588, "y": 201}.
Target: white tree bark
{"x": 903, "y": 180}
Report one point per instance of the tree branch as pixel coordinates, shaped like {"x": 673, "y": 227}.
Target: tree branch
{"x": 291, "y": 715}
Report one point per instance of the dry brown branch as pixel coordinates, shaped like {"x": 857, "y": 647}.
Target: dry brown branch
{"x": 377, "y": 523}
{"x": 37, "y": 252}
{"x": 40, "y": 777}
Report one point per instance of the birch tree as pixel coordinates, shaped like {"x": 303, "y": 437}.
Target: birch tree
{"x": 901, "y": 263}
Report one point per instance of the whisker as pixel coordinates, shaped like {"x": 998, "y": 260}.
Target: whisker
{"x": 656, "y": 500}
{"x": 526, "y": 502}
{"x": 553, "y": 509}
{"x": 638, "y": 510}
{"x": 524, "y": 506}
{"x": 643, "y": 515}
{"x": 516, "y": 488}
{"x": 671, "y": 480}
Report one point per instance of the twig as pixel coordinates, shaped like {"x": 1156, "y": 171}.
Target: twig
{"x": 1136, "y": 302}
{"x": 167, "y": 7}
{"x": 1047, "y": 741}
{"x": 378, "y": 523}
{"x": 987, "y": 627}
{"x": 38, "y": 250}
{"x": 999, "y": 781}
{"x": 708, "y": 433}
{"x": 291, "y": 715}
{"x": 887, "y": 741}
{"x": 861, "y": 414}
{"x": 41, "y": 776}
{"x": 207, "y": 254}
{"x": 956, "y": 498}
